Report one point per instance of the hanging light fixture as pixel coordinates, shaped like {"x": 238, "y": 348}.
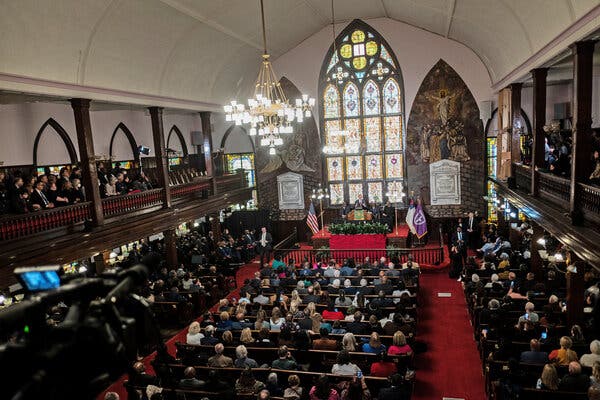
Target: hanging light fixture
{"x": 269, "y": 113}
{"x": 340, "y": 133}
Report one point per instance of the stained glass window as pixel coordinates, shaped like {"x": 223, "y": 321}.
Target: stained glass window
{"x": 351, "y": 104}
{"x": 492, "y": 156}
{"x": 361, "y": 93}
{"x": 243, "y": 161}
{"x": 371, "y": 99}
{"x": 332, "y": 102}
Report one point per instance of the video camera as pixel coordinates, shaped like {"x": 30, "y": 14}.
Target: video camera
{"x": 96, "y": 343}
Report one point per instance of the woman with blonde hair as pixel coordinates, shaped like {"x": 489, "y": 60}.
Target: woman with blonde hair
{"x": 349, "y": 342}
{"x": 399, "y": 345}
{"x": 564, "y": 355}
{"x": 295, "y": 309}
{"x": 317, "y": 288}
{"x": 246, "y": 337}
{"x": 194, "y": 336}
{"x": 317, "y": 319}
{"x": 595, "y": 377}
{"x": 227, "y": 338}
{"x": 310, "y": 309}
{"x": 296, "y": 296}
{"x": 261, "y": 320}
{"x": 374, "y": 345}
{"x": 276, "y": 319}
{"x": 549, "y": 379}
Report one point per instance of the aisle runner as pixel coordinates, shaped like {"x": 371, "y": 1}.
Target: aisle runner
{"x": 451, "y": 367}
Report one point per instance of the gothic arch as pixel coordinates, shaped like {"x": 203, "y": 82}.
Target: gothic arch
{"x": 134, "y": 147}
{"x": 228, "y": 132}
{"x": 63, "y": 135}
{"x": 523, "y": 115}
{"x": 179, "y": 135}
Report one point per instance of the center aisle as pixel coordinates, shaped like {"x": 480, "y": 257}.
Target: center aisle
{"x": 451, "y": 366}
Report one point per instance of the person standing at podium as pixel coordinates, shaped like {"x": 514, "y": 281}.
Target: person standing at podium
{"x": 360, "y": 204}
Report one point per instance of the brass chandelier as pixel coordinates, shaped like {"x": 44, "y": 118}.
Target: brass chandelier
{"x": 269, "y": 113}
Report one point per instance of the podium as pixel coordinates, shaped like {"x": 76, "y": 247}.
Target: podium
{"x": 360, "y": 215}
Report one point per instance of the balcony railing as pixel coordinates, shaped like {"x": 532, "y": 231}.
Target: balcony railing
{"x": 555, "y": 189}
{"x": 22, "y": 225}
{"x": 522, "y": 174}
{"x": 16, "y": 226}
{"x": 589, "y": 199}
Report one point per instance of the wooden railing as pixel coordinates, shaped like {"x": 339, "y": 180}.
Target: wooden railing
{"x": 130, "y": 202}
{"x": 17, "y": 226}
{"x": 554, "y": 188}
{"x": 589, "y": 198}
{"x": 522, "y": 174}
{"x": 22, "y": 225}
{"x": 429, "y": 256}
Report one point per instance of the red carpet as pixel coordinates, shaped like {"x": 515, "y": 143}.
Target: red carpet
{"x": 451, "y": 365}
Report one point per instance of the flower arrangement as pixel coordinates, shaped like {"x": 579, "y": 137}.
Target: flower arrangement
{"x": 367, "y": 228}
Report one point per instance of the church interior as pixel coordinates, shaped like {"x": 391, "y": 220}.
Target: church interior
{"x": 300, "y": 199}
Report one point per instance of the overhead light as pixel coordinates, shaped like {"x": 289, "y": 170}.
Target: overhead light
{"x": 2, "y": 299}
{"x": 82, "y": 269}
{"x": 268, "y": 112}
{"x": 196, "y": 224}
{"x": 558, "y": 257}
{"x": 541, "y": 242}
{"x": 513, "y": 214}
{"x": 112, "y": 255}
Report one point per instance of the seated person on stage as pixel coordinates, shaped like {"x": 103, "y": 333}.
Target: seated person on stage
{"x": 344, "y": 210}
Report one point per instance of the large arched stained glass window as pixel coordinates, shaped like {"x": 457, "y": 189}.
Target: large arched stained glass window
{"x": 361, "y": 96}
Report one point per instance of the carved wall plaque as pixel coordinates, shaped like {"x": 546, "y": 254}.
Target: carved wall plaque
{"x": 290, "y": 187}
{"x": 444, "y": 176}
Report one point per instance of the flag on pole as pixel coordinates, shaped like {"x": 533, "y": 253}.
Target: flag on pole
{"x": 311, "y": 219}
{"x": 410, "y": 216}
{"x": 419, "y": 221}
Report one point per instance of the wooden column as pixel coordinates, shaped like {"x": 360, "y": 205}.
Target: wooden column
{"x": 171, "y": 248}
{"x": 575, "y": 289}
{"x": 208, "y": 147}
{"x": 515, "y": 114}
{"x": 581, "y": 166}
{"x": 537, "y": 264}
{"x": 539, "y": 120}
{"x": 215, "y": 227}
{"x": 162, "y": 163}
{"x": 81, "y": 112}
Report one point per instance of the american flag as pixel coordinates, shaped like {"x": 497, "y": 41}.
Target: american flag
{"x": 311, "y": 219}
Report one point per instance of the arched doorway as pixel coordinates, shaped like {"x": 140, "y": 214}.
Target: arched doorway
{"x": 62, "y": 133}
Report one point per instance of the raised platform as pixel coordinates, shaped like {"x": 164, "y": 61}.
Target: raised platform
{"x": 397, "y": 238}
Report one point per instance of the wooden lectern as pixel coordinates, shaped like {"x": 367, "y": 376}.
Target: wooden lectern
{"x": 360, "y": 215}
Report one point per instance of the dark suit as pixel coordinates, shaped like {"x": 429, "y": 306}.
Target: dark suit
{"x": 534, "y": 357}
{"x": 471, "y": 227}
{"x": 575, "y": 383}
{"x": 360, "y": 204}
{"x": 39, "y": 198}
{"x": 264, "y": 251}
{"x": 459, "y": 240}
{"x": 394, "y": 393}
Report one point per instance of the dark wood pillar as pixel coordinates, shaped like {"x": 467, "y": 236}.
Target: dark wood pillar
{"x": 208, "y": 147}
{"x": 537, "y": 264}
{"x": 215, "y": 227}
{"x": 89, "y": 175}
{"x": 515, "y": 112}
{"x": 575, "y": 300}
{"x": 539, "y": 120}
{"x": 581, "y": 166}
{"x": 162, "y": 163}
{"x": 171, "y": 248}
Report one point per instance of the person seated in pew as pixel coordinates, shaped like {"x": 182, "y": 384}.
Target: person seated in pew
{"x": 294, "y": 391}
{"x": 342, "y": 300}
{"x": 348, "y": 289}
{"x": 190, "y": 381}
{"x": 594, "y": 392}
{"x": 374, "y": 344}
{"x": 398, "y": 390}
{"x": 398, "y": 324}
{"x": 272, "y": 386}
{"x": 383, "y": 367}
{"x": 285, "y": 337}
{"x": 534, "y": 355}
{"x": 588, "y": 360}
{"x": 276, "y": 319}
{"x": 564, "y": 355}
{"x": 344, "y": 366}
{"x": 285, "y": 360}
{"x": 324, "y": 342}
{"x": 224, "y": 321}
{"x": 374, "y": 325}
{"x": 209, "y": 338}
{"x": 139, "y": 377}
{"x": 264, "y": 338}
{"x": 348, "y": 268}
{"x": 549, "y": 378}
{"x": 194, "y": 336}
{"x": 261, "y": 298}
{"x": 399, "y": 345}
{"x": 384, "y": 285}
{"x": 349, "y": 342}
{"x": 242, "y": 360}
{"x": 311, "y": 297}
{"x": 337, "y": 328}
{"x": 247, "y": 384}
{"x": 332, "y": 313}
{"x": 322, "y": 390}
{"x": 595, "y": 377}
{"x": 358, "y": 327}
{"x": 574, "y": 381}
{"x": 334, "y": 287}
{"x": 306, "y": 270}
{"x": 219, "y": 360}
{"x": 354, "y": 389}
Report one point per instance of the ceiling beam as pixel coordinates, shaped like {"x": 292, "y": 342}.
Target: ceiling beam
{"x": 175, "y": 4}
{"x": 450, "y": 17}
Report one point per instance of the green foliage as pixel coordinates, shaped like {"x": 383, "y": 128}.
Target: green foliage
{"x": 353, "y": 229}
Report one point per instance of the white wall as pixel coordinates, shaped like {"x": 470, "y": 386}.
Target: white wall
{"x": 20, "y": 123}
{"x": 237, "y": 141}
{"x": 417, "y": 52}
{"x": 554, "y": 94}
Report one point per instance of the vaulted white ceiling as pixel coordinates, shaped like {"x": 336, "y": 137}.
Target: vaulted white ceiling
{"x": 207, "y": 50}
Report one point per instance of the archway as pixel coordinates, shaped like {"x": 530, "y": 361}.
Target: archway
{"x": 231, "y": 129}
{"x": 62, "y": 133}
{"x": 134, "y": 147}
{"x": 175, "y": 130}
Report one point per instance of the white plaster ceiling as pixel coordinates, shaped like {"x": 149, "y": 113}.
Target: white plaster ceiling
{"x": 208, "y": 50}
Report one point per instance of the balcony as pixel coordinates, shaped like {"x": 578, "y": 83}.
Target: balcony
{"x": 67, "y": 219}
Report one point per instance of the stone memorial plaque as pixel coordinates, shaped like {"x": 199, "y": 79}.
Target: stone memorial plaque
{"x": 290, "y": 187}
{"x": 444, "y": 179}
